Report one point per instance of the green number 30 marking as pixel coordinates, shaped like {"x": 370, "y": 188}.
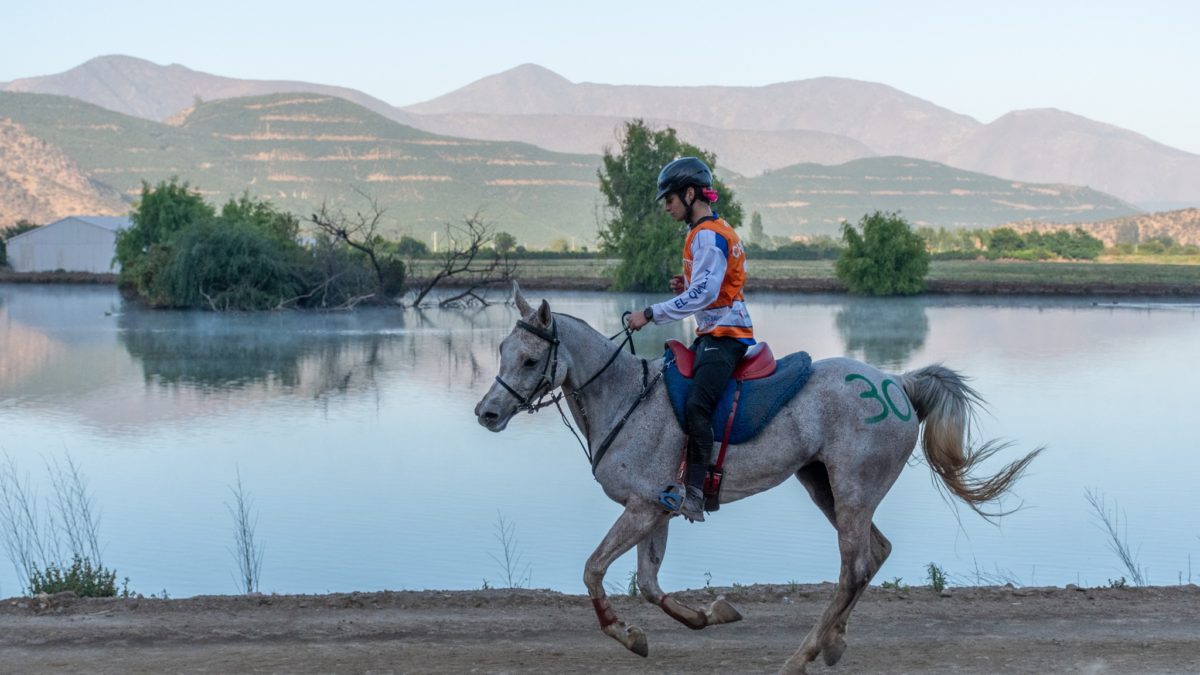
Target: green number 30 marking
{"x": 884, "y": 400}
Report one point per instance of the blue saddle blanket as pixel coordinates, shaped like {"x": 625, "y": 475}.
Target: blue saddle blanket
{"x": 760, "y": 401}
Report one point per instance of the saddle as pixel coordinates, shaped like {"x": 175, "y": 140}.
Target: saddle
{"x": 757, "y": 391}
{"x": 758, "y": 361}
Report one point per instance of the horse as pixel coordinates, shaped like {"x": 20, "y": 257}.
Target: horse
{"x": 845, "y": 436}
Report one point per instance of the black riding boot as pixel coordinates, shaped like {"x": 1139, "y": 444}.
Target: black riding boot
{"x": 693, "y": 502}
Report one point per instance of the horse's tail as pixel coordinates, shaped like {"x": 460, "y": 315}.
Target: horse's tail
{"x": 945, "y": 403}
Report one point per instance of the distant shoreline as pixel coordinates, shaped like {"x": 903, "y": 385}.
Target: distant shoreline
{"x": 776, "y": 285}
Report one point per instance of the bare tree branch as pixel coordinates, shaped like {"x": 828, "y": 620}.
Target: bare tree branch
{"x": 470, "y": 256}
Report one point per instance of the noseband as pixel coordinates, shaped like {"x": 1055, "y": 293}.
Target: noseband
{"x": 532, "y": 402}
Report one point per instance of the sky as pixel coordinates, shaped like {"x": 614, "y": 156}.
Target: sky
{"x": 1130, "y": 64}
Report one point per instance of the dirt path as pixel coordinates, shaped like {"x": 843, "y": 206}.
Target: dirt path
{"x": 989, "y": 630}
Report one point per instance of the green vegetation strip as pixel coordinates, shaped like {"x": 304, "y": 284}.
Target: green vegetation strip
{"x": 945, "y": 276}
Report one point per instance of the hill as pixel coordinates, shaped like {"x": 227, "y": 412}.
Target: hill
{"x": 304, "y": 149}
{"x": 1182, "y": 226}
{"x": 39, "y": 183}
{"x": 814, "y": 199}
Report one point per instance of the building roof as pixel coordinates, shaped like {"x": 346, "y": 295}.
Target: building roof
{"x": 110, "y": 223}
{"x": 113, "y": 223}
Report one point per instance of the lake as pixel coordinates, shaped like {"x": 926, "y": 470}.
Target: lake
{"x": 354, "y": 436}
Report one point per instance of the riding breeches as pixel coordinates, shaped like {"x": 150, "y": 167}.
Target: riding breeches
{"x": 716, "y": 358}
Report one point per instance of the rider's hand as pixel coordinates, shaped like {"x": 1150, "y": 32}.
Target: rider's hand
{"x": 676, "y": 284}
{"x": 636, "y": 321}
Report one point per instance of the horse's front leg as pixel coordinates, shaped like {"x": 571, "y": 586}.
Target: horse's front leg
{"x": 650, "y": 556}
{"x": 639, "y": 520}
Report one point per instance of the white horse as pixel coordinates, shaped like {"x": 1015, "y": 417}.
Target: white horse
{"x": 845, "y": 436}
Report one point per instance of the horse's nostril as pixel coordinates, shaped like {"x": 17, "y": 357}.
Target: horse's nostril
{"x": 490, "y": 416}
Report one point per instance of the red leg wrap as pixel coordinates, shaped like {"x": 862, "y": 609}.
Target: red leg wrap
{"x": 603, "y": 612}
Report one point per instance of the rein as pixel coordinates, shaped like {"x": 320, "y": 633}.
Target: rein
{"x": 550, "y": 371}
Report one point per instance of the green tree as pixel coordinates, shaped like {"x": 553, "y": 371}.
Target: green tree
{"x": 1005, "y": 240}
{"x": 638, "y": 230}
{"x": 410, "y": 247}
{"x": 144, "y": 247}
{"x": 236, "y": 265}
{"x": 261, "y": 215}
{"x": 504, "y": 243}
{"x": 757, "y": 236}
{"x": 885, "y": 258}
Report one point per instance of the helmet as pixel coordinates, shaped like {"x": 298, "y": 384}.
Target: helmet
{"x": 683, "y": 173}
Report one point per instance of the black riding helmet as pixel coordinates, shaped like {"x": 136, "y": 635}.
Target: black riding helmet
{"x": 681, "y": 174}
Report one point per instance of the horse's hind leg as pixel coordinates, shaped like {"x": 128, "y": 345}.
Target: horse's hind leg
{"x": 863, "y": 550}
{"x": 636, "y": 523}
{"x": 650, "y": 556}
{"x": 815, "y": 479}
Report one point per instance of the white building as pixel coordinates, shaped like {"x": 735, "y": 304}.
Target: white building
{"x": 73, "y": 244}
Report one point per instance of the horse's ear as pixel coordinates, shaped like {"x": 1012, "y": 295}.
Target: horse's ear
{"x": 543, "y": 314}
{"x": 522, "y": 306}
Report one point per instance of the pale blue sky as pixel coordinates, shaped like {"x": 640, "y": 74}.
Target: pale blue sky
{"x": 1132, "y": 64}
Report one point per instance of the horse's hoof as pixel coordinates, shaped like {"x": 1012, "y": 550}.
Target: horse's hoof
{"x": 638, "y": 644}
{"x": 720, "y": 611}
{"x": 631, "y": 637}
{"x": 832, "y": 652}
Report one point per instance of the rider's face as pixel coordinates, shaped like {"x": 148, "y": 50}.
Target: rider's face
{"x": 675, "y": 206}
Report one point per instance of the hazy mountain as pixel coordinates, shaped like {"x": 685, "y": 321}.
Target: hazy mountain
{"x": 1035, "y": 146}
{"x": 751, "y": 129}
{"x": 39, "y": 183}
{"x": 1050, "y": 145}
{"x": 143, "y": 89}
{"x": 887, "y": 120}
{"x": 303, "y": 149}
{"x": 747, "y": 152}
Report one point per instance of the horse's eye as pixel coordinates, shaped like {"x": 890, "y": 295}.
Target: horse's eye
{"x": 529, "y": 363}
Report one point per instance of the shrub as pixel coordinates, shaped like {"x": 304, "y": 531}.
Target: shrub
{"x": 886, "y": 258}
{"x": 224, "y": 266}
{"x": 937, "y": 577}
{"x": 81, "y": 578}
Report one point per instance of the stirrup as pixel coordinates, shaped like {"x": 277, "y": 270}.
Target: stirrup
{"x": 672, "y": 497}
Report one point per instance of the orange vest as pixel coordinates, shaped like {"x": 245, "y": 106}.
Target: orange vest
{"x": 730, "y": 295}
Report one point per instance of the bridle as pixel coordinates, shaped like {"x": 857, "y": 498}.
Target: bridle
{"x": 528, "y": 403}
{"x": 534, "y": 401}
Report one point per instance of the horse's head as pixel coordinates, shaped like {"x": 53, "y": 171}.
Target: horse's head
{"x": 531, "y": 366}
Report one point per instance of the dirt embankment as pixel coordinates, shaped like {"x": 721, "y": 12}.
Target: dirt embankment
{"x": 10, "y": 277}
{"x": 961, "y": 630}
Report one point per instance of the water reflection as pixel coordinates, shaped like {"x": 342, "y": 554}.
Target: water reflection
{"x": 303, "y": 353}
{"x": 883, "y": 332}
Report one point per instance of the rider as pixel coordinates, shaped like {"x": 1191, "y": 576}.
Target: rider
{"x": 710, "y": 288}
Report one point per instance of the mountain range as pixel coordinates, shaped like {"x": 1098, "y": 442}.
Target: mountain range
{"x": 523, "y": 146}
{"x": 751, "y": 129}
{"x": 303, "y": 149}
